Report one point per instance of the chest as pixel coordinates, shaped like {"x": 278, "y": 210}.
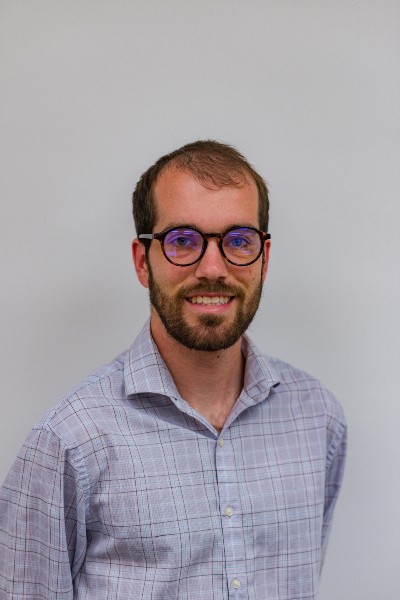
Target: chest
{"x": 181, "y": 496}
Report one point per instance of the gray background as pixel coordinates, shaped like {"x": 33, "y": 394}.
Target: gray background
{"x": 94, "y": 91}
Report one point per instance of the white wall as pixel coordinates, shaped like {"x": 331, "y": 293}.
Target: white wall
{"x": 94, "y": 91}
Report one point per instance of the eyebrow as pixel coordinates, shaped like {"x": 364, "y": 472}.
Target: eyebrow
{"x": 193, "y": 226}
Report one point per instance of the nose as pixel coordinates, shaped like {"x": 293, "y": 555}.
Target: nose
{"x": 212, "y": 264}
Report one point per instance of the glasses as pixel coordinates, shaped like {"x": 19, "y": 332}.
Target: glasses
{"x": 184, "y": 246}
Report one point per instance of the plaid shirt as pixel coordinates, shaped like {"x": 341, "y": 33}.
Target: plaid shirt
{"x": 124, "y": 491}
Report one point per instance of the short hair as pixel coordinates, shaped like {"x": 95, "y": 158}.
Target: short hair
{"x": 213, "y": 163}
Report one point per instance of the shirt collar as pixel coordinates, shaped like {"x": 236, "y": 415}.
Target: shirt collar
{"x": 259, "y": 374}
{"x": 145, "y": 371}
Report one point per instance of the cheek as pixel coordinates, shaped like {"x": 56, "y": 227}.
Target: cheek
{"x": 250, "y": 277}
{"x": 167, "y": 276}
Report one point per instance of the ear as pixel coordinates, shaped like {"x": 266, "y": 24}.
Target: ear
{"x": 140, "y": 262}
{"x": 267, "y": 247}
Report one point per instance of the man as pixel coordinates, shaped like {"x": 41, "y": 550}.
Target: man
{"x": 192, "y": 466}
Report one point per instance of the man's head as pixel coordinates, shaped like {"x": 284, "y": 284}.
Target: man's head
{"x": 214, "y": 164}
{"x": 207, "y": 304}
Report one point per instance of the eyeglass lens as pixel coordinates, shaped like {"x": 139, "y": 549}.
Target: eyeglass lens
{"x": 183, "y": 245}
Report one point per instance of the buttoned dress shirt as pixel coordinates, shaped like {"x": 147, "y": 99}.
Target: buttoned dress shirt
{"x": 124, "y": 491}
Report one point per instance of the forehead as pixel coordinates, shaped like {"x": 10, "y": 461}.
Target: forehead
{"x": 180, "y": 198}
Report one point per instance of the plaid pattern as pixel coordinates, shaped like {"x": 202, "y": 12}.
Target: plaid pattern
{"x": 124, "y": 491}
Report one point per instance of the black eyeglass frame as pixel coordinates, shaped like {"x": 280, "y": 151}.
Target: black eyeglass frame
{"x": 162, "y": 235}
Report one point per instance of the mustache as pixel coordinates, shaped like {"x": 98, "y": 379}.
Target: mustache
{"x": 217, "y": 287}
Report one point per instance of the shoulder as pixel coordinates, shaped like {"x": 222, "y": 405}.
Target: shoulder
{"x": 304, "y": 399}
{"x": 79, "y": 414}
{"x": 305, "y": 391}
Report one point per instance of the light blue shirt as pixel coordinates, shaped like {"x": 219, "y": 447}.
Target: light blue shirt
{"x": 124, "y": 491}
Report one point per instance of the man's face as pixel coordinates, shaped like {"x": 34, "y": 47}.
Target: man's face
{"x": 209, "y": 305}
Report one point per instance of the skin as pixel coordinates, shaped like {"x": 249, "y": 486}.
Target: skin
{"x": 210, "y": 381}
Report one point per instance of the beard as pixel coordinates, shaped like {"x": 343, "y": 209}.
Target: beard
{"x": 211, "y": 334}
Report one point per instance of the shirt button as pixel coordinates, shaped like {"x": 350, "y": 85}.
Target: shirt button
{"x": 220, "y": 442}
{"x": 229, "y": 513}
{"x": 236, "y": 583}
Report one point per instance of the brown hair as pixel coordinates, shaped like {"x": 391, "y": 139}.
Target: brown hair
{"x": 214, "y": 164}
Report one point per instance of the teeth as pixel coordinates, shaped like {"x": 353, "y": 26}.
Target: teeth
{"x": 209, "y": 300}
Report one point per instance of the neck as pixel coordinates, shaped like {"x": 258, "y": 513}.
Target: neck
{"x": 210, "y": 382}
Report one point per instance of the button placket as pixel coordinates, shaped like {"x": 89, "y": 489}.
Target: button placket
{"x": 231, "y": 521}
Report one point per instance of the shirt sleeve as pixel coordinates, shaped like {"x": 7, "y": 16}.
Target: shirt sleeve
{"x": 333, "y": 478}
{"x": 42, "y": 521}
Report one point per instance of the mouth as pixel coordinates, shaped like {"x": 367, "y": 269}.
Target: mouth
{"x": 210, "y": 300}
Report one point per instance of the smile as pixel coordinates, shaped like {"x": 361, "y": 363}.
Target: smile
{"x": 215, "y": 300}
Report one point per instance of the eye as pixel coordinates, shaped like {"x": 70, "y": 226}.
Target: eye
{"x": 238, "y": 242}
{"x": 241, "y": 242}
{"x": 180, "y": 241}
{"x": 239, "y": 239}
{"x": 183, "y": 239}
